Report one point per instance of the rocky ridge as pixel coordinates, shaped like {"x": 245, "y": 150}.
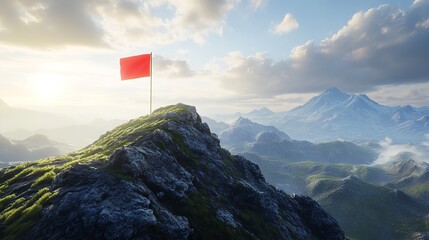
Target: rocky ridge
{"x": 162, "y": 176}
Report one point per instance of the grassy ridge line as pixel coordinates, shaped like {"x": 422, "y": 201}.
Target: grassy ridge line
{"x": 19, "y": 211}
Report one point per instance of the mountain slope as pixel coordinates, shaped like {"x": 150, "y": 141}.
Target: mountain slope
{"x": 295, "y": 151}
{"x": 244, "y": 135}
{"x": 378, "y": 213}
{"x": 162, "y": 176}
{"x": 412, "y": 177}
{"x": 356, "y": 197}
{"x": 215, "y": 126}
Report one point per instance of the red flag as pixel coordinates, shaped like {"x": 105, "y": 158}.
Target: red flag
{"x": 136, "y": 66}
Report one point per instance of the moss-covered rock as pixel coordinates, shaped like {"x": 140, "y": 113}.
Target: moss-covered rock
{"x": 162, "y": 176}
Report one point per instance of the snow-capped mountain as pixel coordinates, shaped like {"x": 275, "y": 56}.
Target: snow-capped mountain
{"x": 336, "y": 115}
{"x": 413, "y": 129}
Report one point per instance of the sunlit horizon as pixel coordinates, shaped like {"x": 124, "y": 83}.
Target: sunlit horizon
{"x": 221, "y": 63}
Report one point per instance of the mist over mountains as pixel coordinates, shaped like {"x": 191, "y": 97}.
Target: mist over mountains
{"x": 13, "y": 152}
{"x": 160, "y": 176}
{"x": 335, "y": 115}
{"x": 371, "y": 202}
{"x": 17, "y": 118}
{"x": 246, "y": 136}
{"x": 76, "y": 135}
{"x": 16, "y": 123}
{"x": 346, "y": 132}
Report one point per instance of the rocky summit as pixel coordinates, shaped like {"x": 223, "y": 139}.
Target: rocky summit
{"x": 162, "y": 176}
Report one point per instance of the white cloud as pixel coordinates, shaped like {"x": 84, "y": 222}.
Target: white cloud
{"x": 195, "y": 19}
{"x": 379, "y": 47}
{"x": 391, "y": 152}
{"x": 423, "y": 24}
{"x": 48, "y": 23}
{"x": 59, "y": 23}
{"x": 288, "y": 24}
{"x": 172, "y": 68}
{"x": 255, "y": 4}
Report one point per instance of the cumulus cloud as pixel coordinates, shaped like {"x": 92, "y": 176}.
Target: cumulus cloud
{"x": 172, "y": 68}
{"x": 57, "y": 23}
{"x": 288, "y": 24}
{"x": 197, "y": 18}
{"x": 48, "y": 23}
{"x": 379, "y": 47}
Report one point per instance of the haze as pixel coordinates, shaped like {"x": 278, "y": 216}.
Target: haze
{"x": 221, "y": 56}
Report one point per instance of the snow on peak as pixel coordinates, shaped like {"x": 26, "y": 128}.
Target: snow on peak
{"x": 241, "y": 121}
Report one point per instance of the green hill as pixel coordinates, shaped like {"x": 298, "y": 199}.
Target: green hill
{"x": 370, "y": 212}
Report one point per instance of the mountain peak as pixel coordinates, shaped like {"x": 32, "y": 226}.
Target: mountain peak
{"x": 262, "y": 111}
{"x": 325, "y": 100}
{"x": 162, "y": 175}
{"x": 244, "y": 130}
{"x": 37, "y": 141}
{"x": 334, "y": 92}
{"x": 242, "y": 121}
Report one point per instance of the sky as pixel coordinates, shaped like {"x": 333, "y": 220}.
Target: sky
{"x": 222, "y": 56}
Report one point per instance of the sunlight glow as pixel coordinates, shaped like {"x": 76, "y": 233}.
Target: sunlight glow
{"x": 47, "y": 86}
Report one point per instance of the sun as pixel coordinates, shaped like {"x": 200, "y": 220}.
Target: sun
{"x": 47, "y": 86}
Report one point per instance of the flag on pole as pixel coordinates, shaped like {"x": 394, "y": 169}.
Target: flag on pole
{"x": 136, "y": 66}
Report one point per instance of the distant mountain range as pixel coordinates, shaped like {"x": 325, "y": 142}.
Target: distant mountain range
{"x": 16, "y": 123}
{"x": 17, "y": 118}
{"x": 215, "y": 126}
{"x": 161, "y": 176}
{"x": 243, "y": 131}
{"x": 335, "y": 115}
{"x": 244, "y": 135}
{"x": 388, "y": 201}
{"x": 76, "y": 135}
{"x": 30, "y": 149}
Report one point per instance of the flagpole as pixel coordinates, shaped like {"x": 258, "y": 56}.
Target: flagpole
{"x": 151, "y": 73}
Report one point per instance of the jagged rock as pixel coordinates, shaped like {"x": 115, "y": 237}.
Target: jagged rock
{"x": 173, "y": 181}
{"x": 227, "y": 217}
{"x": 420, "y": 236}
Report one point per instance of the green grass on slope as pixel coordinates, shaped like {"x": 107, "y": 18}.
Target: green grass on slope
{"x": 19, "y": 210}
{"x": 306, "y": 169}
{"x": 419, "y": 190}
{"x": 368, "y": 212}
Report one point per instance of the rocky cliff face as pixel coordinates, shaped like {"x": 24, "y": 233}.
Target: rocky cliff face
{"x": 162, "y": 176}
